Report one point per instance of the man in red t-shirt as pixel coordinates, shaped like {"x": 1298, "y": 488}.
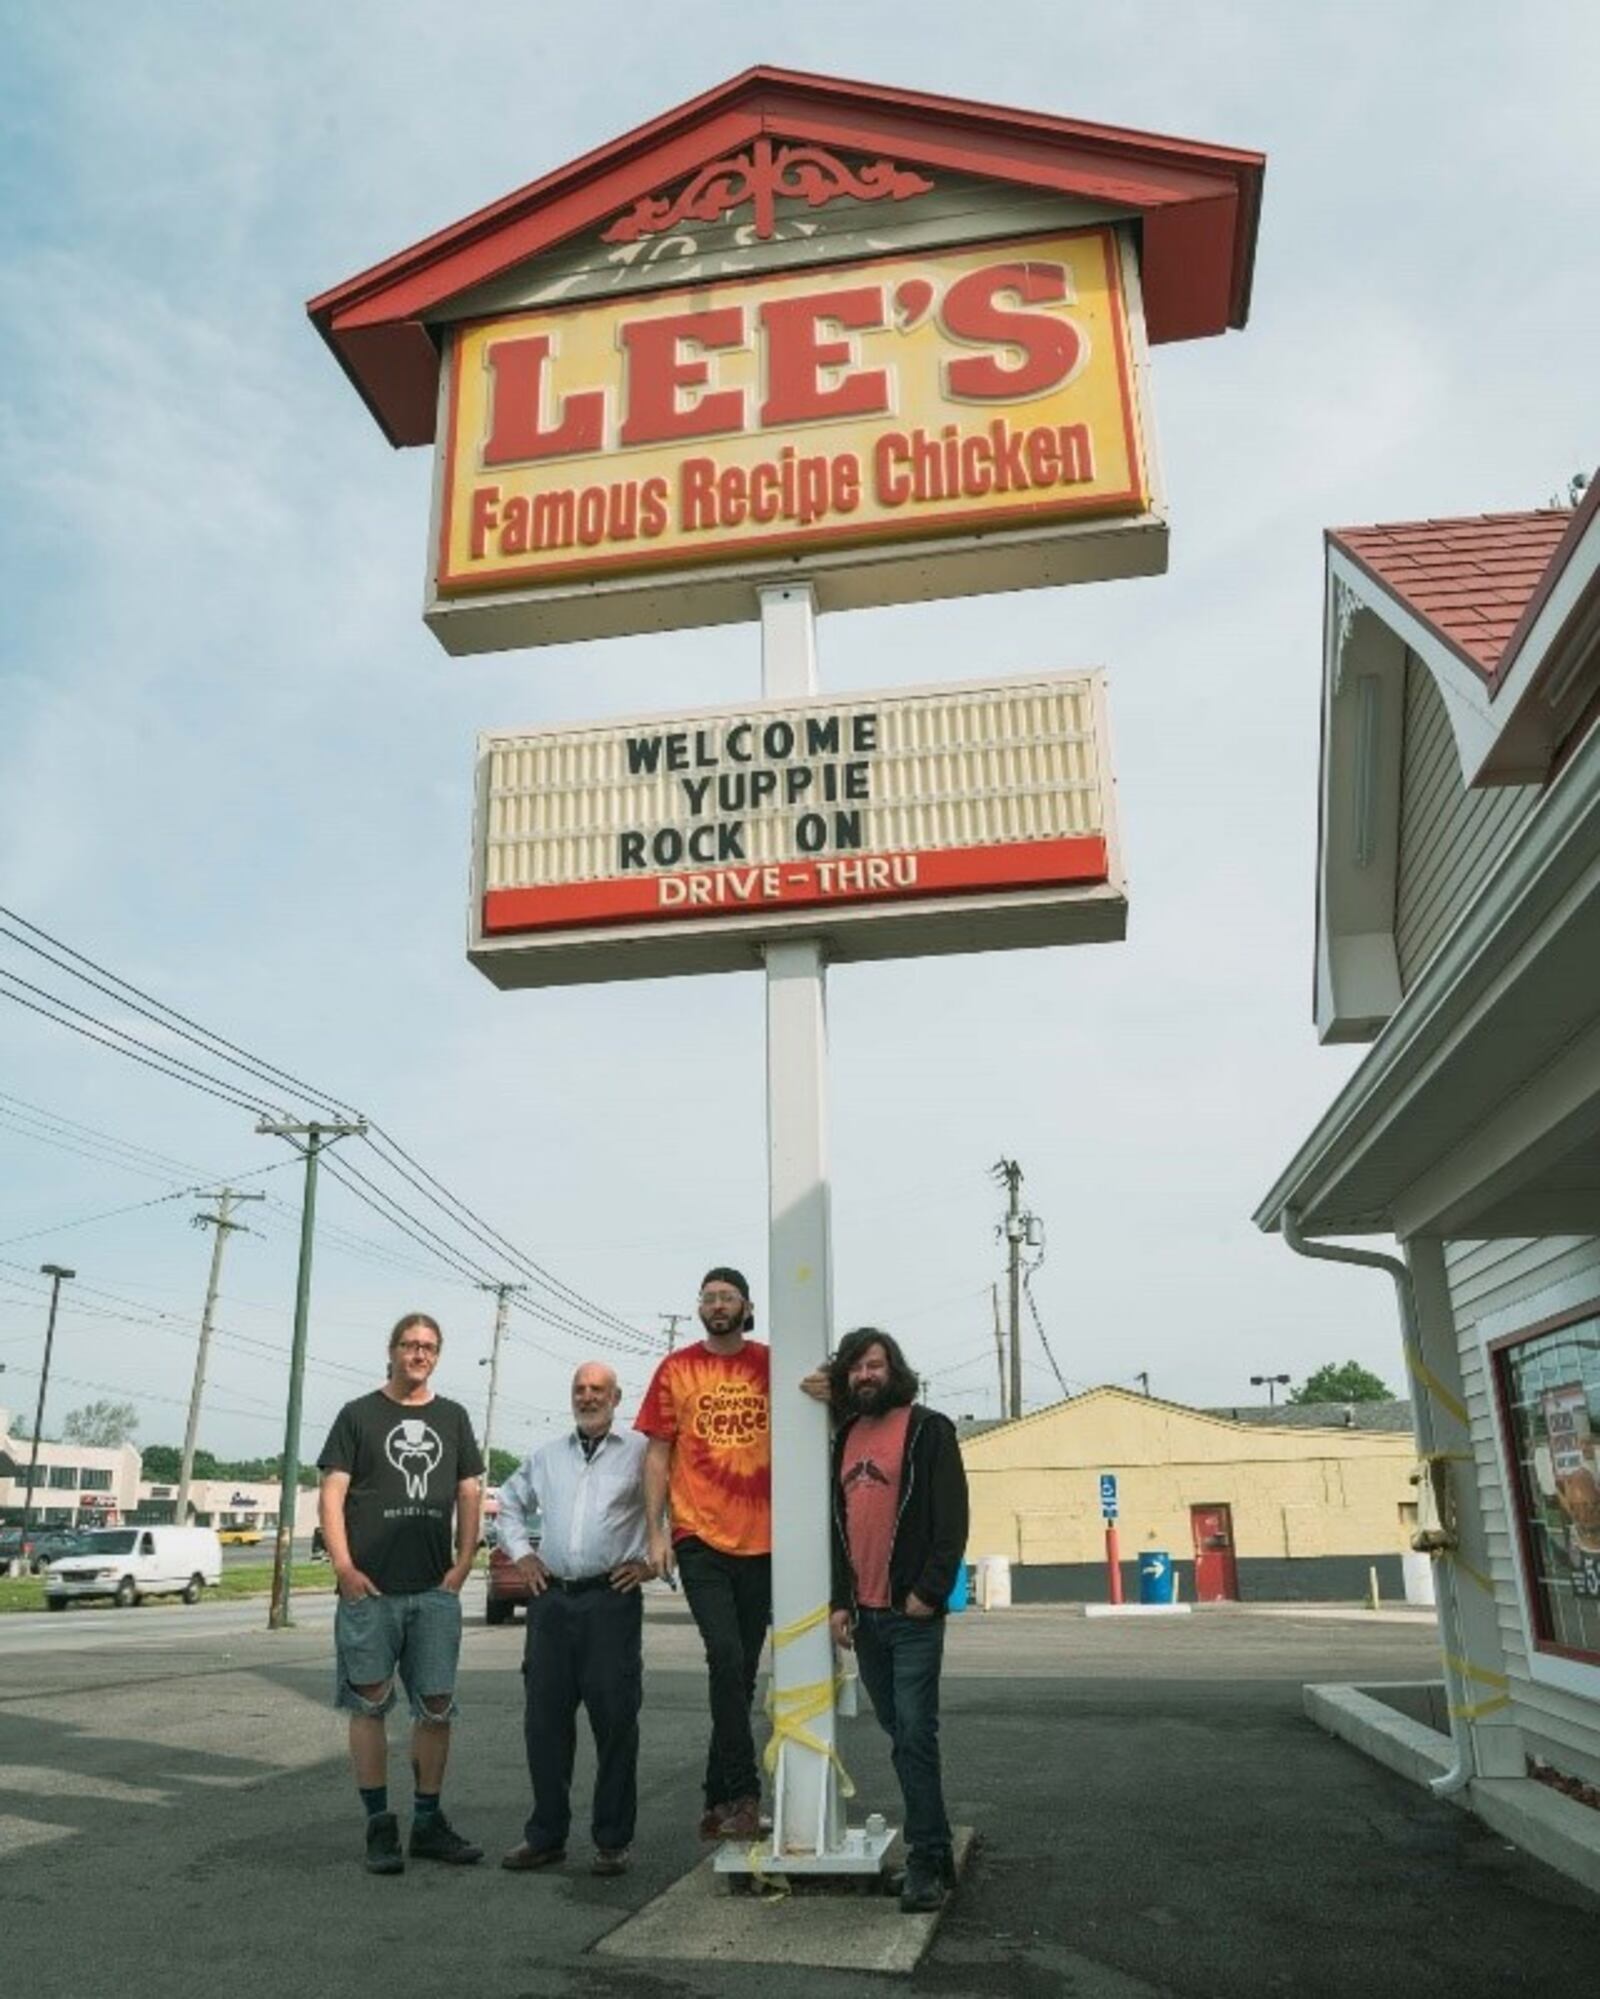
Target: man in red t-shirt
{"x": 707, "y": 1413}
{"x": 899, "y": 1536}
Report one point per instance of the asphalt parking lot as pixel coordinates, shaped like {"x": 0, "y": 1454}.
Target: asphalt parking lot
{"x": 1156, "y": 1817}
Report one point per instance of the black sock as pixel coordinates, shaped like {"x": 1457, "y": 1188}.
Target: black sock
{"x": 375, "y": 1797}
{"x": 426, "y": 1805}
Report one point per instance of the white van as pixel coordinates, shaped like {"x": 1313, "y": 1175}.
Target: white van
{"x": 126, "y": 1563}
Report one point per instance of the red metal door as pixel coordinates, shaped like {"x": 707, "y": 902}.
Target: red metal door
{"x": 1216, "y": 1579}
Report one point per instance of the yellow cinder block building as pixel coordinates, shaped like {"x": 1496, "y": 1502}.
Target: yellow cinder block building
{"x": 1264, "y": 1510}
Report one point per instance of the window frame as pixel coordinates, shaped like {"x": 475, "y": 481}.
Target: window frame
{"x": 1550, "y": 1663}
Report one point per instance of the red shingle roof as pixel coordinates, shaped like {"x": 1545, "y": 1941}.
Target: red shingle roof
{"x": 1468, "y": 580}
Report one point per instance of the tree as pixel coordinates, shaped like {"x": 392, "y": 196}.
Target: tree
{"x": 162, "y": 1464}
{"x": 1348, "y": 1383}
{"x": 102, "y": 1425}
{"x": 501, "y": 1465}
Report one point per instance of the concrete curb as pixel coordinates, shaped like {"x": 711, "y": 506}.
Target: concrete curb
{"x": 1137, "y": 1609}
{"x": 1563, "y": 1834}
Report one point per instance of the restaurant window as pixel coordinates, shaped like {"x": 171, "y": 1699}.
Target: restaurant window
{"x": 94, "y": 1479}
{"x": 1549, "y": 1385}
{"x": 64, "y": 1478}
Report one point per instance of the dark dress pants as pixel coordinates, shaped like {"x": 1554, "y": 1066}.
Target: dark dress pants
{"x": 587, "y": 1649}
{"x": 730, "y": 1599}
{"x": 900, "y": 1658}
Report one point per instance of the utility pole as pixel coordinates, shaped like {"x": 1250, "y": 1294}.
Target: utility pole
{"x": 673, "y": 1320}
{"x": 1143, "y": 1381}
{"x": 57, "y": 1275}
{"x": 999, "y": 1345}
{"x": 503, "y": 1294}
{"x": 1015, "y": 1226}
{"x": 315, "y": 1136}
{"x": 224, "y": 1228}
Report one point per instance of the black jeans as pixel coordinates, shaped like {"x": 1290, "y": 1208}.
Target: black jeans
{"x": 730, "y": 1599}
{"x": 900, "y": 1658}
{"x": 584, "y": 1648}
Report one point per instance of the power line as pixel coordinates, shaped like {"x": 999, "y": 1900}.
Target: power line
{"x": 173, "y": 1074}
{"x": 386, "y": 1148}
{"x": 492, "y": 1238}
{"x": 166, "y": 1014}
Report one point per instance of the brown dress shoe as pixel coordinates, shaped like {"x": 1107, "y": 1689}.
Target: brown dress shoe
{"x": 609, "y": 1860}
{"x": 742, "y": 1820}
{"x": 711, "y": 1821}
{"x": 524, "y": 1859}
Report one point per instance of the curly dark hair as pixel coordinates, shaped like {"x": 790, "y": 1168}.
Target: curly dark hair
{"x": 903, "y": 1381}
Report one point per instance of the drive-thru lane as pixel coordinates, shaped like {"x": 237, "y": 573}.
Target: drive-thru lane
{"x": 1157, "y": 1818}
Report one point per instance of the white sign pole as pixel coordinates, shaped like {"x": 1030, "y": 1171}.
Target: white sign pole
{"x": 807, "y": 1818}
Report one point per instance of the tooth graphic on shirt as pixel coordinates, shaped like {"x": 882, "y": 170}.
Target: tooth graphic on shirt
{"x": 414, "y": 1449}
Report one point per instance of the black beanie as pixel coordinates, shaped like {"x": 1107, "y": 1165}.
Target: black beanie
{"x": 726, "y": 1274}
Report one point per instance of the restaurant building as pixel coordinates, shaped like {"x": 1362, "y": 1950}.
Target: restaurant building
{"x": 1458, "y": 931}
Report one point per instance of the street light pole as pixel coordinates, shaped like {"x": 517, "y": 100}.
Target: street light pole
{"x": 1271, "y": 1383}
{"x": 57, "y": 1274}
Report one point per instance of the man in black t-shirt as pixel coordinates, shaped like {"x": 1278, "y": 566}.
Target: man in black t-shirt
{"x": 397, "y": 1465}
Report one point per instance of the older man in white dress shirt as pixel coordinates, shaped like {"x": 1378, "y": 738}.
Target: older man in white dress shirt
{"x": 585, "y": 1620}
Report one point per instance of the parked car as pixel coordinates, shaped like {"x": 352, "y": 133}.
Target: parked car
{"x": 239, "y": 1537}
{"x": 40, "y": 1544}
{"x": 127, "y": 1563}
{"x": 49, "y": 1544}
{"x": 506, "y": 1587}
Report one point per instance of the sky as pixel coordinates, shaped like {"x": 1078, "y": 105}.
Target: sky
{"x": 235, "y": 768}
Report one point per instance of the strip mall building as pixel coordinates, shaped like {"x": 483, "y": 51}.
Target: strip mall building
{"x": 1458, "y": 931}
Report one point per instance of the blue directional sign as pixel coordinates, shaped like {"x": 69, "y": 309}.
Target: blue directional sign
{"x": 1108, "y": 1495}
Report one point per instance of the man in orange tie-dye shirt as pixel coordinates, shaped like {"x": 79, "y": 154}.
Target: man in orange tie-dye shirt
{"x": 707, "y": 1413}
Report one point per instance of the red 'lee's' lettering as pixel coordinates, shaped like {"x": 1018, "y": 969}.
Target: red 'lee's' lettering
{"x": 669, "y": 389}
{"x": 516, "y": 397}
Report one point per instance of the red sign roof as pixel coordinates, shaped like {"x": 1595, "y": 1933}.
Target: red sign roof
{"x": 1470, "y": 580}
{"x": 1198, "y": 207}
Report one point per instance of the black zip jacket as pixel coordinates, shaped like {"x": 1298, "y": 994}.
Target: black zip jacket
{"x": 930, "y": 1523}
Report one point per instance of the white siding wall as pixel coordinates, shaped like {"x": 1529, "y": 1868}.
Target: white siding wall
{"x": 1488, "y": 1277}
{"x": 1450, "y": 838}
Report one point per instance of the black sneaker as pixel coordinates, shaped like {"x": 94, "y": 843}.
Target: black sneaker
{"x": 437, "y": 1839}
{"x": 383, "y": 1845}
{"x": 925, "y": 1886}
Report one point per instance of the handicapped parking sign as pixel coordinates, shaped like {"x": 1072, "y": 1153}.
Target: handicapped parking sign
{"x": 1108, "y": 1495}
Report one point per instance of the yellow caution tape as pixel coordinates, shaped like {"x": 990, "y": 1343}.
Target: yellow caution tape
{"x": 770, "y": 1887}
{"x": 1475, "y": 1710}
{"x": 791, "y": 1711}
{"x": 1480, "y": 1708}
{"x": 1481, "y": 1674}
{"x": 1452, "y": 1404}
{"x": 791, "y": 1708}
{"x": 1473, "y": 1575}
{"x": 786, "y": 1634}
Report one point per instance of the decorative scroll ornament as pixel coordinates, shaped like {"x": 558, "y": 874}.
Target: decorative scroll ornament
{"x": 760, "y": 178}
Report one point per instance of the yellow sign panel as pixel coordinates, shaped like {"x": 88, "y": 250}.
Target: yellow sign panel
{"x": 882, "y": 401}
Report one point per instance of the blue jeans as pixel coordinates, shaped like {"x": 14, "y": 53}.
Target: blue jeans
{"x": 900, "y": 1659}
{"x": 420, "y": 1635}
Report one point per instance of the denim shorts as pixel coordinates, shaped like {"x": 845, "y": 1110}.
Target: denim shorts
{"x": 418, "y": 1636}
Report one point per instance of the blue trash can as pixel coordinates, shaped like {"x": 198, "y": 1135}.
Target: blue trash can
{"x": 961, "y": 1594}
{"x": 1155, "y": 1576}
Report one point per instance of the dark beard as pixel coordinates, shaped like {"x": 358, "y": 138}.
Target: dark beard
{"x": 871, "y": 1399}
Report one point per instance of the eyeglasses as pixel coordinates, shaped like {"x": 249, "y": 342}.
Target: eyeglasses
{"x": 720, "y": 1298}
{"x": 419, "y": 1346}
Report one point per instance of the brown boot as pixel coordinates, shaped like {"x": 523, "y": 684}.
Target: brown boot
{"x": 742, "y": 1820}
